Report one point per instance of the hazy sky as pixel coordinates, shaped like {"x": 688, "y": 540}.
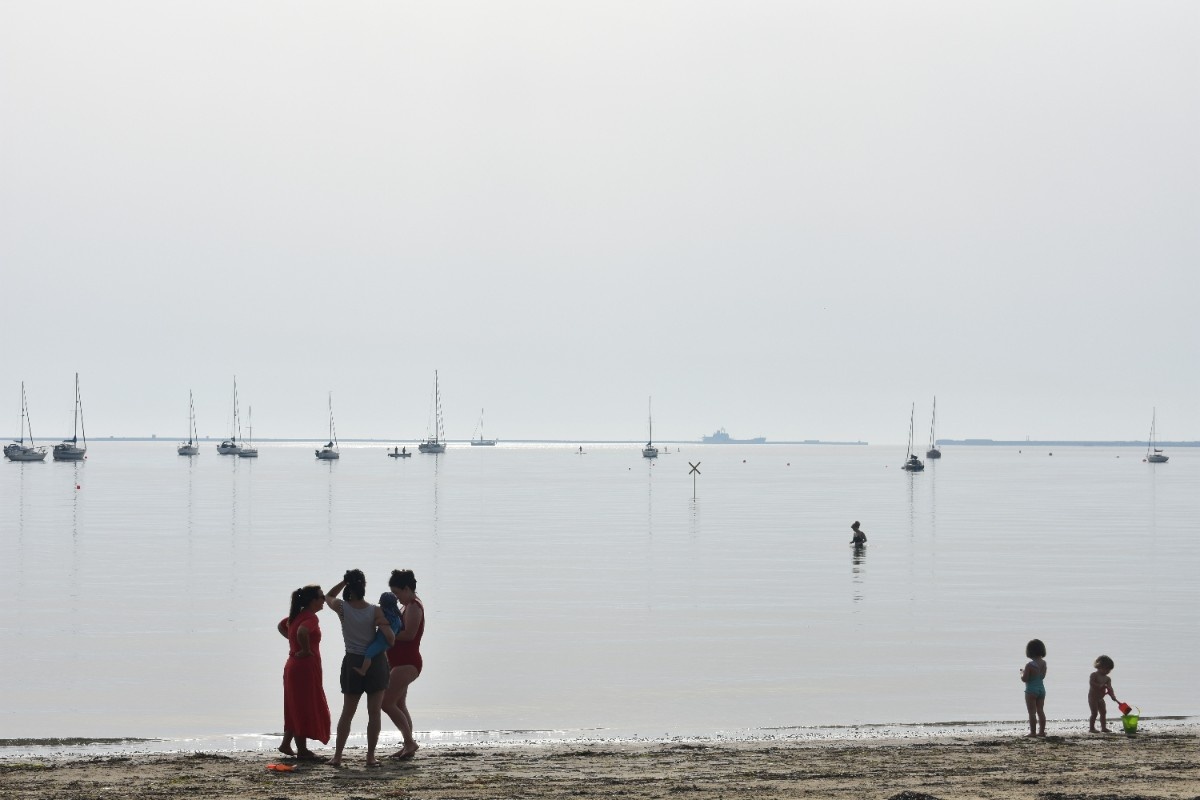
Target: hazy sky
{"x": 791, "y": 219}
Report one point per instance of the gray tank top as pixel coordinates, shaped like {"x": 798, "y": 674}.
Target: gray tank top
{"x": 358, "y": 628}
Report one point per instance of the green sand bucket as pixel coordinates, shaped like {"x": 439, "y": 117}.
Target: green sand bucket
{"x": 1129, "y": 721}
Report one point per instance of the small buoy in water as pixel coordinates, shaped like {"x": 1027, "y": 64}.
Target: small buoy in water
{"x": 77, "y": 486}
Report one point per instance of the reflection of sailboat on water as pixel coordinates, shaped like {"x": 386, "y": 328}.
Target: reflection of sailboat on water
{"x": 650, "y": 451}
{"x": 230, "y": 447}
{"x": 436, "y": 442}
{"x": 192, "y": 448}
{"x": 248, "y": 449}
{"x": 933, "y": 451}
{"x": 912, "y": 463}
{"x": 330, "y": 451}
{"x": 1153, "y": 454}
{"x": 18, "y": 450}
{"x": 69, "y": 449}
{"x": 481, "y": 442}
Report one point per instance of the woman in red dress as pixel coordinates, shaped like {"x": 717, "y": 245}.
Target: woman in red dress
{"x": 404, "y": 657}
{"x": 305, "y": 710}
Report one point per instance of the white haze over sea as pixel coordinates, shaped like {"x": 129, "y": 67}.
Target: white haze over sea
{"x": 590, "y": 596}
{"x": 789, "y": 219}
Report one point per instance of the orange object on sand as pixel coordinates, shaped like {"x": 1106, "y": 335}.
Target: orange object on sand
{"x": 281, "y": 767}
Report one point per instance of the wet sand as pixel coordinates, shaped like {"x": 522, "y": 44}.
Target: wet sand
{"x": 1074, "y": 767}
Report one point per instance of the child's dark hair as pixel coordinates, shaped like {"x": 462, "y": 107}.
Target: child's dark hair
{"x": 356, "y": 585}
{"x": 302, "y": 597}
{"x": 1104, "y": 662}
{"x": 403, "y": 579}
{"x": 1035, "y": 649}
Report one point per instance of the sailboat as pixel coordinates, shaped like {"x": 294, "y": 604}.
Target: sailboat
{"x": 18, "y": 450}
{"x": 650, "y": 451}
{"x": 192, "y": 447}
{"x": 1153, "y": 454}
{"x": 437, "y": 442}
{"x": 481, "y": 442}
{"x": 330, "y": 451}
{"x": 230, "y": 447}
{"x": 912, "y": 464}
{"x": 69, "y": 449}
{"x": 933, "y": 451}
{"x": 248, "y": 450}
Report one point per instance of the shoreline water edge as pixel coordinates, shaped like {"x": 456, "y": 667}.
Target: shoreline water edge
{"x": 1068, "y": 764}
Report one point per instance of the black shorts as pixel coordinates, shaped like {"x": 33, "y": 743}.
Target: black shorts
{"x": 376, "y": 679}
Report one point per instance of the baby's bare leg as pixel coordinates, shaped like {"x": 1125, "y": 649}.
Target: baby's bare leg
{"x": 1103, "y": 715}
{"x": 1095, "y": 709}
{"x": 366, "y": 665}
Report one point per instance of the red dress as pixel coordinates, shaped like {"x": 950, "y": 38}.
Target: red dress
{"x": 402, "y": 653}
{"x": 305, "y": 710}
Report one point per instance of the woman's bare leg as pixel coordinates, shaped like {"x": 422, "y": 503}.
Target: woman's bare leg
{"x": 374, "y": 723}
{"x": 349, "y": 706}
{"x": 395, "y": 705}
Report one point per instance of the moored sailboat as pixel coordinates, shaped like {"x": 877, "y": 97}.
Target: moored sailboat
{"x": 650, "y": 451}
{"x": 17, "y": 450}
{"x": 912, "y": 463}
{"x": 192, "y": 446}
{"x": 481, "y": 441}
{"x": 436, "y": 442}
{"x": 330, "y": 451}
{"x": 933, "y": 451}
{"x": 230, "y": 447}
{"x": 248, "y": 449}
{"x": 1153, "y": 454}
{"x": 69, "y": 449}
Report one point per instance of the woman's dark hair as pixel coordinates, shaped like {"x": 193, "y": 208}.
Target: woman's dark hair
{"x": 403, "y": 579}
{"x": 1104, "y": 662}
{"x": 302, "y": 597}
{"x": 1035, "y": 649}
{"x": 356, "y": 585}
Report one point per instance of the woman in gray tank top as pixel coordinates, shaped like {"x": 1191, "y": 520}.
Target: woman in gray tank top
{"x": 360, "y": 622}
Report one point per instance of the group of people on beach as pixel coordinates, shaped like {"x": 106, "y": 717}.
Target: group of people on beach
{"x": 1099, "y": 684}
{"x": 383, "y": 657}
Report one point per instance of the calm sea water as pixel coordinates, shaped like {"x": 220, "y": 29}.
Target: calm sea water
{"x": 591, "y": 595}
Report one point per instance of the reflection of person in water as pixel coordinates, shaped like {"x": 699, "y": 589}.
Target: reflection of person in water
{"x": 860, "y": 537}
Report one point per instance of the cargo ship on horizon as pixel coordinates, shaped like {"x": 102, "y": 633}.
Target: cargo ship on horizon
{"x": 721, "y": 437}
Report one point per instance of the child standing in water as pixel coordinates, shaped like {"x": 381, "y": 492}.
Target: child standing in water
{"x": 391, "y": 610}
{"x": 1098, "y": 686}
{"x": 1033, "y": 676}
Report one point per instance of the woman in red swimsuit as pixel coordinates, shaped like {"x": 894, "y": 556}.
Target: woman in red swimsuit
{"x": 404, "y": 657}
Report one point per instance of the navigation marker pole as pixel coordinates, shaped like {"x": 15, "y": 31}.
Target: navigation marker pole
{"x": 695, "y": 471}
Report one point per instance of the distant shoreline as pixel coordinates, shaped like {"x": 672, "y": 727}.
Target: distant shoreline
{"x": 1059, "y": 443}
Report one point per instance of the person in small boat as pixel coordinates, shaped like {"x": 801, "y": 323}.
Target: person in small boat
{"x": 860, "y": 536}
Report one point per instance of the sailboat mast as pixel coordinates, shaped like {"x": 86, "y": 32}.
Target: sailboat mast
{"x": 933, "y": 426}
{"x": 650, "y": 418}
{"x": 911, "y": 415}
{"x": 79, "y": 410}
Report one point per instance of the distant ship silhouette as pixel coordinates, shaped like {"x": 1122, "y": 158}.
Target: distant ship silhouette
{"x": 721, "y": 437}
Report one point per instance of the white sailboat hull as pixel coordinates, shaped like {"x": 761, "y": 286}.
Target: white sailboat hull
{"x": 649, "y": 452}
{"x": 248, "y": 452}
{"x": 328, "y": 454}
{"x": 17, "y": 452}
{"x": 483, "y": 443}
{"x": 431, "y": 447}
{"x": 228, "y": 448}
{"x": 1157, "y": 458}
{"x": 188, "y": 450}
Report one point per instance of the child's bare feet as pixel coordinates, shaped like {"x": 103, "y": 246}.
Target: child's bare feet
{"x": 1030, "y": 735}
{"x": 1105, "y": 729}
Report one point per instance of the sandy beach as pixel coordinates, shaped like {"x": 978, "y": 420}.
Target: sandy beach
{"x": 1073, "y": 767}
